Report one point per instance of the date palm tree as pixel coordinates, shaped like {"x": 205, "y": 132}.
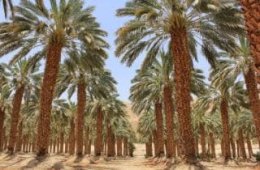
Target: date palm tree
{"x": 76, "y": 74}
{"x": 5, "y": 92}
{"x": 64, "y": 26}
{"x": 224, "y": 96}
{"x": 155, "y": 24}
{"x": 251, "y": 12}
{"x": 240, "y": 62}
{"x": 23, "y": 79}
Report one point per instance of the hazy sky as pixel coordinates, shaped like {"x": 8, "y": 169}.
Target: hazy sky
{"x": 105, "y": 13}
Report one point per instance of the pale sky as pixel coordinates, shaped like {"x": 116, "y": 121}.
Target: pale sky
{"x": 105, "y": 14}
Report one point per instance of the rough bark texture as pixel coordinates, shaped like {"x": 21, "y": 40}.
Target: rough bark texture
{"x": 86, "y": 141}
{"x": 253, "y": 95}
{"x": 155, "y": 142}
{"x": 251, "y": 9}
{"x": 18, "y": 146}
{"x": 203, "y": 140}
{"x": 249, "y": 147}
{"x": 119, "y": 145}
{"x": 61, "y": 142}
{"x": 212, "y": 145}
{"x": 17, "y": 101}
{"x": 149, "y": 148}
{"x": 159, "y": 127}
{"x": 47, "y": 92}
{"x": 182, "y": 74}
{"x": 242, "y": 143}
{"x": 225, "y": 124}
{"x": 233, "y": 148}
{"x": 2, "y": 118}
{"x": 80, "y": 117}
{"x": 99, "y": 139}
{"x": 125, "y": 147}
{"x": 72, "y": 137}
{"x": 169, "y": 112}
{"x": 110, "y": 145}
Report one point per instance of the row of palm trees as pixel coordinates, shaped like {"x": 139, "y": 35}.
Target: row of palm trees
{"x": 96, "y": 118}
{"x": 67, "y": 36}
{"x": 182, "y": 28}
{"x": 178, "y": 27}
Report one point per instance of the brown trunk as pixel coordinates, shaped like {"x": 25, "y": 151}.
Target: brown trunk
{"x": 251, "y": 86}
{"x": 149, "y": 148}
{"x": 66, "y": 146}
{"x": 86, "y": 141}
{"x": 182, "y": 73}
{"x": 242, "y": 143}
{"x": 47, "y": 92}
{"x": 61, "y": 142}
{"x": 110, "y": 145}
{"x": 249, "y": 147}
{"x": 99, "y": 139}
{"x": 125, "y": 147}
{"x": 225, "y": 124}
{"x": 89, "y": 147}
{"x": 72, "y": 137}
{"x": 159, "y": 129}
{"x": 119, "y": 146}
{"x": 155, "y": 142}
{"x": 17, "y": 101}
{"x": 251, "y": 9}
{"x": 54, "y": 145}
{"x": 203, "y": 140}
{"x": 2, "y": 118}
{"x": 238, "y": 149}
{"x": 169, "y": 113}
{"x": 212, "y": 145}
{"x": 196, "y": 145}
{"x": 18, "y": 146}
{"x": 233, "y": 148}
{"x": 80, "y": 117}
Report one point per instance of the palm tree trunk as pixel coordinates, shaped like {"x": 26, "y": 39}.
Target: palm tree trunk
{"x": 249, "y": 147}
{"x": 61, "y": 142}
{"x": 169, "y": 111}
{"x": 238, "y": 148}
{"x": 203, "y": 140}
{"x": 89, "y": 147}
{"x": 86, "y": 141}
{"x": 80, "y": 117}
{"x": 99, "y": 139}
{"x": 119, "y": 146}
{"x": 17, "y": 101}
{"x": 54, "y": 145}
{"x": 233, "y": 147}
{"x": 251, "y": 86}
{"x": 155, "y": 142}
{"x": 251, "y": 15}
{"x": 212, "y": 145}
{"x": 47, "y": 92}
{"x": 125, "y": 146}
{"x": 242, "y": 143}
{"x": 72, "y": 137}
{"x": 110, "y": 141}
{"x": 196, "y": 145}
{"x": 18, "y": 146}
{"x": 2, "y": 129}
{"x": 182, "y": 74}
{"x": 225, "y": 123}
{"x": 159, "y": 127}
{"x": 149, "y": 148}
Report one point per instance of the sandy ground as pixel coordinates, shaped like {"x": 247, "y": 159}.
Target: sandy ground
{"x": 138, "y": 162}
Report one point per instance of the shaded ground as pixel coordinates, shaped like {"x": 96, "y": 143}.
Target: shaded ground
{"x": 27, "y": 161}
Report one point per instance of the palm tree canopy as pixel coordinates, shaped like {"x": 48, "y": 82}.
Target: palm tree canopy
{"x": 35, "y": 25}
{"x": 209, "y": 24}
